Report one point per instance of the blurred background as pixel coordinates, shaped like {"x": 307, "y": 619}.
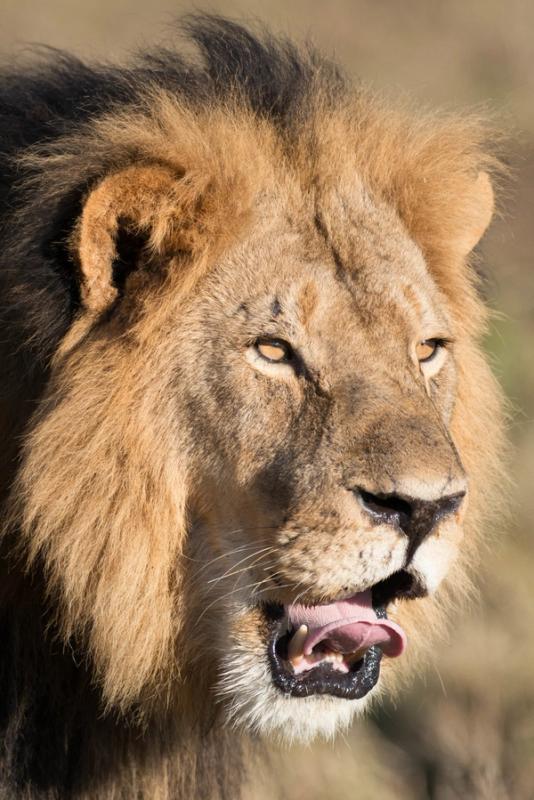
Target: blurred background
{"x": 465, "y": 728}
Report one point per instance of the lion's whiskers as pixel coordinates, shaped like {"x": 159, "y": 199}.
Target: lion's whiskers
{"x": 263, "y": 553}
{"x": 227, "y": 554}
{"x": 254, "y": 592}
{"x": 223, "y": 597}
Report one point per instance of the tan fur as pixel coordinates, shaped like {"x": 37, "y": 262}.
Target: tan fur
{"x": 151, "y": 523}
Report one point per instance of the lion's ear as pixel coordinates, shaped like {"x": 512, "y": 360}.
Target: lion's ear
{"x": 478, "y": 210}
{"x": 142, "y": 205}
{"x": 447, "y": 215}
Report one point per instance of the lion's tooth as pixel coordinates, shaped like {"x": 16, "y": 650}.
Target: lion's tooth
{"x": 356, "y": 656}
{"x": 296, "y": 643}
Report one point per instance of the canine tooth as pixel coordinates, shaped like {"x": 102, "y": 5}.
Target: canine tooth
{"x": 353, "y": 657}
{"x": 296, "y": 643}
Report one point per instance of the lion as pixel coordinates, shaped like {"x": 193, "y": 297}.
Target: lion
{"x": 251, "y": 439}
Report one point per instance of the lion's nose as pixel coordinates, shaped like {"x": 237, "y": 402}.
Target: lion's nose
{"x": 414, "y": 516}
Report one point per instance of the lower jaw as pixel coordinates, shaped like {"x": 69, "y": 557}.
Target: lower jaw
{"x": 323, "y": 679}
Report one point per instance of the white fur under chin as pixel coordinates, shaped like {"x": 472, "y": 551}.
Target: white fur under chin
{"x": 253, "y": 702}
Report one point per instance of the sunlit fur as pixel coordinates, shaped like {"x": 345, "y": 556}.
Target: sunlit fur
{"x": 140, "y": 440}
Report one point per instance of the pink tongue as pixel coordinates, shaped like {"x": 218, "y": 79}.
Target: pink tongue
{"x": 348, "y": 626}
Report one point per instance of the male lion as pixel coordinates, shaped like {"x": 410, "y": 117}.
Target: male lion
{"x": 248, "y": 427}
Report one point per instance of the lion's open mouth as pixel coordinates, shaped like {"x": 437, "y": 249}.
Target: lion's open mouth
{"x": 336, "y": 648}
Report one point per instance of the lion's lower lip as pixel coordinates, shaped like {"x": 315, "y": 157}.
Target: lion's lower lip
{"x": 324, "y": 678}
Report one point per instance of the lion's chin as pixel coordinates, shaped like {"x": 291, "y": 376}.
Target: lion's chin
{"x": 253, "y": 702}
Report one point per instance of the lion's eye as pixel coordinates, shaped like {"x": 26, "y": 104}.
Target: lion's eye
{"x": 274, "y": 350}
{"x": 427, "y": 349}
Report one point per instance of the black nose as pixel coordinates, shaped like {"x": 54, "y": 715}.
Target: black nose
{"x": 415, "y": 517}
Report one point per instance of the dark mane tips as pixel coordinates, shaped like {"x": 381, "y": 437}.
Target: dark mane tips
{"x": 271, "y": 75}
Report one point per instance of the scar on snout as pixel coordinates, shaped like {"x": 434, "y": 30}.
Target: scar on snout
{"x": 307, "y": 302}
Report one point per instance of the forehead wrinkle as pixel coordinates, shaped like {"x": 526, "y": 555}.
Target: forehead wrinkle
{"x": 419, "y": 305}
{"x": 306, "y": 303}
{"x": 379, "y": 292}
{"x": 371, "y": 314}
{"x": 412, "y": 299}
{"x": 410, "y": 307}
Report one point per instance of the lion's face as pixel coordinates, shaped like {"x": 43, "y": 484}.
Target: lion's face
{"x": 319, "y": 398}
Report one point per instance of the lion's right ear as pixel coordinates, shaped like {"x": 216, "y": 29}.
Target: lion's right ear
{"x": 147, "y": 205}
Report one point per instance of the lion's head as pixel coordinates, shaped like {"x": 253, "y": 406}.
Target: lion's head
{"x": 268, "y": 434}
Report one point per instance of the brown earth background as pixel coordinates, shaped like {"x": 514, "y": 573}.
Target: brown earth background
{"x": 465, "y": 728}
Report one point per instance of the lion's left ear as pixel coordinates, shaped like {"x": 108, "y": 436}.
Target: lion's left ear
{"x": 148, "y": 204}
{"x": 477, "y": 209}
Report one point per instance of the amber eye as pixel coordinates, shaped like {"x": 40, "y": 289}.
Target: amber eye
{"x": 274, "y": 350}
{"x": 427, "y": 349}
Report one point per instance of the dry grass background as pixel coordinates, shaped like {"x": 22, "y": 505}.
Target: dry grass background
{"x": 465, "y": 728}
